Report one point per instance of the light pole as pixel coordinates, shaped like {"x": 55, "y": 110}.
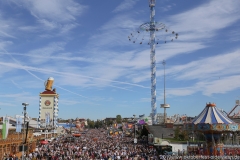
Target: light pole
{"x": 134, "y": 126}
{"x": 24, "y": 119}
{"x": 70, "y": 123}
{"x": 71, "y": 136}
{"x": 134, "y": 121}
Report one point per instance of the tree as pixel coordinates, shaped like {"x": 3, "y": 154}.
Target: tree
{"x": 109, "y": 123}
{"x": 176, "y": 133}
{"x": 98, "y": 124}
{"x": 144, "y": 132}
{"x": 90, "y": 123}
{"x": 180, "y": 134}
{"x": 119, "y": 119}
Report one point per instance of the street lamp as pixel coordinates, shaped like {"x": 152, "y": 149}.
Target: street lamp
{"x": 24, "y": 119}
{"x": 135, "y": 140}
{"x": 70, "y": 130}
{"x": 70, "y": 123}
{"x": 134, "y": 126}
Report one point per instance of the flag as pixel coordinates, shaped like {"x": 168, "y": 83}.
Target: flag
{"x": 157, "y": 140}
{"x": 47, "y": 118}
{"x": 141, "y": 122}
{"x": 19, "y": 124}
{"x": 5, "y": 127}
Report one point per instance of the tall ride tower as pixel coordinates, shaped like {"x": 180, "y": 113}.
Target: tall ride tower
{"x": 165, "y": 106}
{"x": 152, "y": 27}
{"x": 153, "y": 60}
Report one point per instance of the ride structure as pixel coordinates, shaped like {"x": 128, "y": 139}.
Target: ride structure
{"x": 135, "y": 37}
{"x": 235, "y": 112}
{"x": 165, "y": 106}
{"x": 216, "y": 127}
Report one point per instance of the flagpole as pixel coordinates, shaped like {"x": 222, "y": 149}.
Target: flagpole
{"x": 24, "y": 139}
{"x": 17, "y": 120}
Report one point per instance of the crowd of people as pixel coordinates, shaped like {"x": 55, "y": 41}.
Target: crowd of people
{"x": 95, "y": 144}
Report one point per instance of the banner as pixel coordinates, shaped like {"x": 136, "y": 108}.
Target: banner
{"x": 141, "y": 122}
{"x": 157, "y": 140}
{"x": 47, "y": 118}
{"x": 5, "y": 127}
{"x": 18, "y": 124}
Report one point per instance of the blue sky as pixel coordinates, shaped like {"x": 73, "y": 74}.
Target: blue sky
{"x": 99, "y": 73}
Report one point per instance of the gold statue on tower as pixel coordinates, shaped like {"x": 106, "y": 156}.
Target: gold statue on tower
{"x": 48, "y": 84}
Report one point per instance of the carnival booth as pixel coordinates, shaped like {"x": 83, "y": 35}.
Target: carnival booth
{"x": 213, "y": 124}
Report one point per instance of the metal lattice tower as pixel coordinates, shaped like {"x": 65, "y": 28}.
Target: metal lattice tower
{"x": 153, "y": 60}
{"x": 152, "y": 27}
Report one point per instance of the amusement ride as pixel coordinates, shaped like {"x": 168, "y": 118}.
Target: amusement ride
{"x": 159, "y": 34}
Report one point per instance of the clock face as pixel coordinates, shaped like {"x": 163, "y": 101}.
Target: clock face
{"x": 47, "y": 102}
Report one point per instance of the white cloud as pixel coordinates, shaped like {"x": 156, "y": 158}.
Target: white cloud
{"x": 5, "y": 27}
{"x": 221, "y": 85}
{"x": 234, "y": 35}
{"x": 63, "y": 56}
{"x": 206, "y": 19}
{"x": 55, "y": 15}
{"x": 2, "y": 104}
{"x": 55, "y": 10}
{"x": 214, "y": 66}
{"x": 215, "y": 74}
{"x": 69, "y": 74}
{"x": 49, "y": 50}
{"x": 49, "y": 25}
{"x": 167, "y": 7}
{"x": 186, "y": 91}
{"x": 125, "y": 5}
{"x": 4, "y": 44}
{"x": 28, "y": 28}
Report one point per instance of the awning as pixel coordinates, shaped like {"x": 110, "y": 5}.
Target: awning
{"x": 44, "y": 142}
{"x": 37, "y": 134}
{"x": 76, "y": 134}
